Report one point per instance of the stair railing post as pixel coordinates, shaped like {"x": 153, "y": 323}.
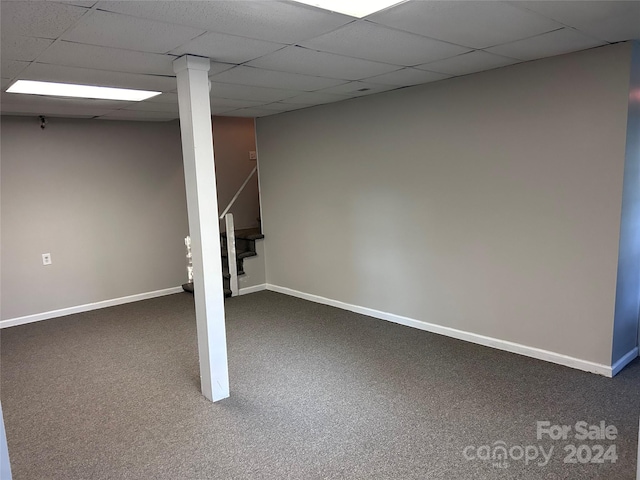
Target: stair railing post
{"x": 231, "y": 254}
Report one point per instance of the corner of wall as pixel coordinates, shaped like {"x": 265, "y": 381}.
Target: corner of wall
{"x": 627, "y": 306}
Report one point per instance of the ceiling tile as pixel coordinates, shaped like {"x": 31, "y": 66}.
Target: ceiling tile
{"x": 86, "y": 76}
{"x": 548, "y": 44}
{"x": 263, "y": 20}
{"x": 154, "y": 107}
{"x": 314, "y": 98}
{"x": 284, "y": 107}
{"x": 105, "y": 58}
{"x": 230, "y": 103}
{"x": 250, "y": 112}
{"x": 310, "y": 62}
{"x": 468, "y": 63}
{"x": 18, "y": 47}
{"x": 369, "y": 41}
{"x": 475, "y": 24}
{"x": 407, "y": 76}
{"x": 11, "y": 68}
{"x": 357, "y": 89}
{"x": 168, "y": 102}
{"x": 613, "y": 21}
{"x": 122, "y": 31}
{"x": 38, "y": 105}
{"x": 138, "y": 115}
{"x": 269, "y": 78}
{"x": 220, "y": 110}
{"x": 244, "y": 92}
{"x": 30, "y": 112}
{"x": 38, "y": 19}
{"x": 22, "y": 99}
{"x": 165, "y": 98}
{"x": 217, "y": 67}
{"x": 80, "y": 3}
{"x": 228, "y": 48}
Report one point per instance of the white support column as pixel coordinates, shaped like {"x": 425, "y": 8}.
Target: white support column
{"x": 202, "y": 206}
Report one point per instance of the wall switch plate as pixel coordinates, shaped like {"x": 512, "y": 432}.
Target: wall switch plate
{"x": 46, "y": 259}
{"x": 253, "y": 155}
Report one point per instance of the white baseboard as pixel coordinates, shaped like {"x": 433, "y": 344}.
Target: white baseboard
{"x": 624, "y": 361}
{"x": 12, "y": 322}
{"x": 255, "y": 288}
{"x": 533, "y": 352}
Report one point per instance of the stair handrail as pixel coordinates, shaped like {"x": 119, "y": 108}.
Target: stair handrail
{"x": 231, "y": 237}
{"x": 235, "y": 197}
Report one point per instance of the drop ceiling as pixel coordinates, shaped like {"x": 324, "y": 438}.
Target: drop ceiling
{"x": 270, "y": 56}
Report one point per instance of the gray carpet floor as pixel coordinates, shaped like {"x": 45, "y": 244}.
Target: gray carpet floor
{"x": 316, "y": 393}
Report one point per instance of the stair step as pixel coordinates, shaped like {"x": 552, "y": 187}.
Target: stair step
{"x": 239, "y": 255}
{"x": 246, "y": 238}
{"x": 226, "y": 275}
{"x": 188, "y": 287}
{"x": 248, "y": 234}
{"x": 245, "y": 232}
{"x": 251, "y": 236}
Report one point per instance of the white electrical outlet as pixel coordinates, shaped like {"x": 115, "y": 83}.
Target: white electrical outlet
{"x": 253, "y": 155}
{"x": 46, "y": 259}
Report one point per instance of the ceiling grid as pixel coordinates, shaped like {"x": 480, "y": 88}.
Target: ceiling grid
{"x": 269, "y": 57}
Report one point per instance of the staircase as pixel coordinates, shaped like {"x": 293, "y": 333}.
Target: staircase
{"x": 245, "y": 248}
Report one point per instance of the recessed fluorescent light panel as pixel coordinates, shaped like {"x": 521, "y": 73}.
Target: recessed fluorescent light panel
{"x": 353, "y": 8}
{"x": 31, "y": 87}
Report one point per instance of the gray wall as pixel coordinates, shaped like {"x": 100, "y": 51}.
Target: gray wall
{"x": 489, "y": 203}
{"x": 233, "y": 139}
{"x": 628, "y": 291}
{"x": 106, "y": 199}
